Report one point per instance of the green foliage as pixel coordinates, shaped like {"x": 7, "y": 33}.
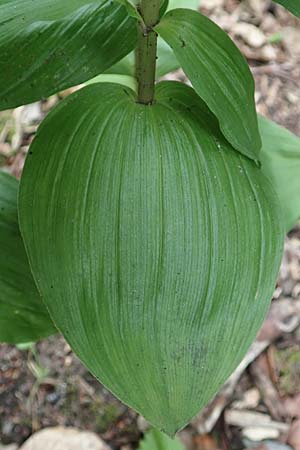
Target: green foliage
{"x": 154, "y": 440}
{"x": 191, "y": 4}
{"x": 153, "y": 236}
{"x": 219, "y": 74}
{"x": 138, "y": 269}
{"x": 23, "y": 316}
{"x": 57, "y": 44}
{"x": 124, "y": 80}
{"x": 280, "y": 159}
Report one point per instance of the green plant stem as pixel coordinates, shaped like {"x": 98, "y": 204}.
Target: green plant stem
{"x": 146, "y": 50}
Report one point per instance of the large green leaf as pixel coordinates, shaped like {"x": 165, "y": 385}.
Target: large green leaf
{"x": 218, "y": 72}
{"x": 50, "y": 45}
{"x": 23, "y": 316}
{"x": 155, "y": 245}
{"x": 280, "y": 159}
{"x": 155, "y": 440}
{"x": 291, "y": 5}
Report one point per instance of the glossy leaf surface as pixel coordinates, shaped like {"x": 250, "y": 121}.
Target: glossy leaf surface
{"x": 280, "y": 159}
{"x": 52, "y": 45}
{"x": 155, "y": 245}
{"x": 23, "y": 316}
{"x": 291, "y": 5}
{"x": 219, "y": 74}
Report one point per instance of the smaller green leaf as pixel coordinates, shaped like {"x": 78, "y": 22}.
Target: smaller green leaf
{"x": 56, "y": 45}
{"x": 23, "y": 315}
{"x": 280, "y": 159}
{"x": 163, "y": 8}
{"x": 24, "y": 346}
{"x": 124, "y": 80}
{"x": 123, "y": 67}
{"x": 166, "y": 60}
{"x": 131, "y": 8}
{"x": 190, "y": 4}
{"x": 218, "y": 72}
{"x": 291, "y": 5}
{"x": 155, "y": 440}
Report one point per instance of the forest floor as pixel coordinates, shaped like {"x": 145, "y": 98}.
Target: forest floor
{"x": 259, "y": 407}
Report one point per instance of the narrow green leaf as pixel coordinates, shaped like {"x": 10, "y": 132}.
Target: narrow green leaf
{"x": 163, "y": 8}
{"x": 291, "y": 5}
{"x": 52, "y": 45}
{"x": 155, "y": 440}
{"x": 280, "y": 159}
{"x": 219, "y": 74}
{"x": 131, "y": 8}
{"x": 155, "y": 244}
{"x": 23, "y": 316}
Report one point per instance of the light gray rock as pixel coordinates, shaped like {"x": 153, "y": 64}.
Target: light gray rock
{"x": 8, "y": 447}
{"x": 60, "y": 438}
{"x": 267, "y": 445}
{"x": 274, "y": 445}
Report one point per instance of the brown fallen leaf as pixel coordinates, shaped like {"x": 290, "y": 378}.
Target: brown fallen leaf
{"x": 294, "y": 435}
{"x": 283, "y": 317}
{"x": 260, "y": 371}
{"x": 292, "y": 406}
{"x": 205, "y": 442}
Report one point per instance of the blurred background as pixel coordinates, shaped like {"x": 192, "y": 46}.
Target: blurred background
{"x": 44, "y": 385}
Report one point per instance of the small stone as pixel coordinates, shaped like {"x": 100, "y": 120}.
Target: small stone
{"x": 212, "y": 4}
{"x": 291, "y": 40}
{"x": 260, "y": 433}
{"x": 268, "y": 53}
{"x": 250, "y": 34}
{"x": 60, "y": 438}
{"x": 8, "y": 447}
{"x": 249, "y": 400}
{"x": 142, "y": 424}
{"x": 274, "y": 445}
{"x": 258, "y": 7}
